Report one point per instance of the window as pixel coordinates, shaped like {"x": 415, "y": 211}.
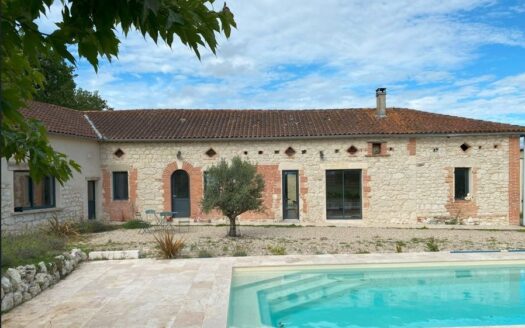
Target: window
{"x": 207, "y": 180}
{"x": 120, "y": 185}
{"x": 31, "y": 195}
{"x": 352, "y": 150}
{"x": 376, "y": 148}
{"x": 343, "y": 194}
{"x": 211, "y": 152}
{"x": 461, "y": 182}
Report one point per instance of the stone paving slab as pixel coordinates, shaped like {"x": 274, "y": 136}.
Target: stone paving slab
{"x": 175, "y": 293}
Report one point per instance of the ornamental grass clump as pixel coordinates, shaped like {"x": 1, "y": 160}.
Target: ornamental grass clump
{"x": 63, "y": 229}
{"x": 168, "y": 245}
{"x": 431, "y": 245}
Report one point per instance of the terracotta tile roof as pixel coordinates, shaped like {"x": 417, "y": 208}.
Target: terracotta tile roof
{"x": 188, "y": 124}
{"x": 181, "y": 124}
{"x": 60, "y": 120}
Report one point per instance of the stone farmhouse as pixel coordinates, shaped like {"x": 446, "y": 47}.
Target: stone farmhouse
{"x": 376, "y": 166}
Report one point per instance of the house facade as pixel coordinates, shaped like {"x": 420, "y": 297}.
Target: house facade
{"x": 321, "y": 167}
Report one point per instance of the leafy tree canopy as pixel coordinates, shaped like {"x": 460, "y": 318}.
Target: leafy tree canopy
{"x": 60, "y": 87}
{"x": 90, "y": 26}
{"x": 233, "y": 189}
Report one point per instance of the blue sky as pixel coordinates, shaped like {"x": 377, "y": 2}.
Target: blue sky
{"x": 458, "y": 57}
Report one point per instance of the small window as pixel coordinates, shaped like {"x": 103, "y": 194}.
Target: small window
{"x": 260, "y": 152}
{"x": 119, "y": 153}
{"x": 461, "y": 182}
{"x": 376, "y": 148}
{"x": 31, "y": 195}
{"x": 465, "y": 146}
{"x": 352, "y": 150}
{"x": 211, "y": 152}
{"x": 289, "y": 151}
{"x": 120, "y": 185}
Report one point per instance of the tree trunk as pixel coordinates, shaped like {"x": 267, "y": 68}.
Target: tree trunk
{"x": 233, "y": 228}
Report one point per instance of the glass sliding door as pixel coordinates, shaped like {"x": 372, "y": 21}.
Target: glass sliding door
{"x": 290, "y": 195}
{"x": 343, "y": 194}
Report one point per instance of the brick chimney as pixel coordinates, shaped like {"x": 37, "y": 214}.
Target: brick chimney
{"x": 381, "y": 102}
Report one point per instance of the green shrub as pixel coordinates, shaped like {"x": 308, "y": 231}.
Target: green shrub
{"x": 136, "y": 224}
{"x": 431, "y": 245}
{"x": 94, "y": 226}
{"x": 204, "y": 253}
{"x": 30, "y": 248}
{"x": 277, "y": 250}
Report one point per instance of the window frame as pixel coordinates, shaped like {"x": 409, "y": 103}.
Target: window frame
{"x": 467, "y": 182}
{"x": 114, "y": 185}
{"x": 361, "y": 191}
{"x": 31, "y": 194}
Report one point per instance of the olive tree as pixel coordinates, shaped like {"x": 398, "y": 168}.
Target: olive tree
{"x": 233, "y": 188}
{"x": 90, "y": 28}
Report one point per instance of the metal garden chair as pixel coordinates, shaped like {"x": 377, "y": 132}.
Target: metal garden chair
{"x": 151, "y": 218}
{"x": 166, "y": 218}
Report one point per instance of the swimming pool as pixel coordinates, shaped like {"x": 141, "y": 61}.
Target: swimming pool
{"x": 434, "y": 295}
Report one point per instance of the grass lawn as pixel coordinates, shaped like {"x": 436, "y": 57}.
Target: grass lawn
{"x": 44, "y": 244}
{"x": 30, "y": 248}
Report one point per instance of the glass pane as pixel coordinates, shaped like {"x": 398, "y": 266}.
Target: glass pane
{"x": 461, "y": 183}
{"x": 180, "y": 185}
{"x": 21, "y": 189}
{"x": 376, "y": 148}
{"x": 120, "y": 185}
{"x": 43, "y": 193}
{"x": 334, "y": 194}
{"x": 352, "y": 194}
{"x": 291, "y": 190}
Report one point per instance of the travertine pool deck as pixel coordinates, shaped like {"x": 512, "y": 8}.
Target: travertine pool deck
{"x": 175, "y": 293}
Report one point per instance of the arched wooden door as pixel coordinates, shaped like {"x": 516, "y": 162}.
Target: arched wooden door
{"x": 180, "y": 194}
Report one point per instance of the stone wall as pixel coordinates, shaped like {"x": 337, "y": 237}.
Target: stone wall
{"x": 25, "y": 282}
{"x": 409, "y": 181}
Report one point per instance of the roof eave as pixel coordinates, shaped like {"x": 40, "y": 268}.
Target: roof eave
{"x": 384, "y": 135}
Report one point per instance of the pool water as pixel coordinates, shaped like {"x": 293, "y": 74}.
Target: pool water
{"x": 444, "y": 296}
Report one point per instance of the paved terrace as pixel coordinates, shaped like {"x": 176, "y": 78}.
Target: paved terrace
{"x": 174, "y": 293}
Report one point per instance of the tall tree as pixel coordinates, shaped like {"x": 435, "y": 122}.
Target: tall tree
{"x": 233, "y": 189}
{"x": 90, "y": 26}
{"x": 60, "y": 87}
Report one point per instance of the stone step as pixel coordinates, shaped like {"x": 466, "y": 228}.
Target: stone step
{"x": 276, "y": 281}
{"x": 276, "y": 289}
{"x": 321, "y": 292}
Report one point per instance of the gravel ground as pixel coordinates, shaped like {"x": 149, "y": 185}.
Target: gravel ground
{"x": 208, "y": 241}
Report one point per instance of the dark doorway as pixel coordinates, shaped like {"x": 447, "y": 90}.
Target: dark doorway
{"x": 180, "y": 194}
{"x": 290, "y": 195}
{"x": 92, "y": 207}
{"x": 343, "y": 194}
